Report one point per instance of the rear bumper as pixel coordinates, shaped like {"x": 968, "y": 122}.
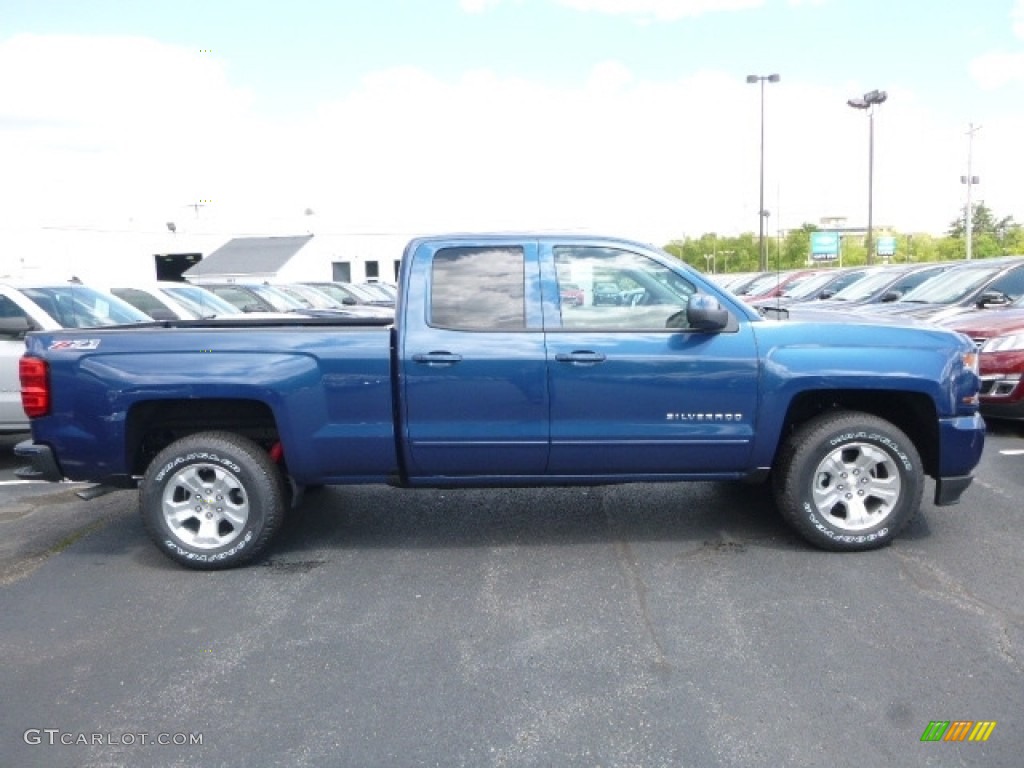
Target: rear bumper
{"x": 42, "y": 463}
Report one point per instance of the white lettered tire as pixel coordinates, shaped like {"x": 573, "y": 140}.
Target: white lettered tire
{"x": 212, "y": 500}
{"x": 848, "y": 481}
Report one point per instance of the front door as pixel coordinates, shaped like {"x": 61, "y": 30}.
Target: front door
{"x": 632, "y": 390}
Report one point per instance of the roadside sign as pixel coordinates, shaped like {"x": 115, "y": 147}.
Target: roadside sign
{"x": 885, "y": 245}
{"x": 824, "y": 246}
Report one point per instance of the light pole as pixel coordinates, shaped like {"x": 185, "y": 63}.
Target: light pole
{"x": 725, "y": 258}
{"x": 761, "y": 212}
{"x": 710, "y": 259}
{"x": 868, "y": 102}
{"x": 970, "y": 181}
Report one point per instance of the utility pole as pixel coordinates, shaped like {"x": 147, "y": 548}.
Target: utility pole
{"x": 970, "y": 181}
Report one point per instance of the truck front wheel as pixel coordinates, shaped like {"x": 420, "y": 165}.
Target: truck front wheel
{"x": 848, "y": 481}
{"x": 212, "y": 500}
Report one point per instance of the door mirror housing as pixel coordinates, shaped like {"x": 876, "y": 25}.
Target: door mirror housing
{"x": 704, "y": 313}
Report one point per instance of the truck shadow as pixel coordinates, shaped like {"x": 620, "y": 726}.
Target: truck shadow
{"x": 346, "y": 517}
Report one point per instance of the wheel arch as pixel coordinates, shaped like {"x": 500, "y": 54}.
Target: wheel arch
{"x": 152, "y": 425}
{"x": 913, "y": 413}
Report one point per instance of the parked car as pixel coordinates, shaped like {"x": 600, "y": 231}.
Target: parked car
{"x": 168, "y": 301}
{"x": 982, "y": 284}
{"x": 255, "y": 297}
{"x": 352, "y": 295}
{"x": 319, "y": 301}
{"x": 999, "y": 337}
{"x": 822, "y": 286}
{"x": 607, "y": 294}
{"x": 571, "y": 294}
{"x": 46, "y": 306}
{"x": 880, "y": 285}
{"x": 773, "y": 284}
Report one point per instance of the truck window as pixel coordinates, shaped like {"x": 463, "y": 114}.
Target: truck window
{"x": 478, "y": 289}
{"x": 617, "y": 290}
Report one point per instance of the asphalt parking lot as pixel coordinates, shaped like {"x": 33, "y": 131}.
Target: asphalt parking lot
{"x": 646, "y": 625}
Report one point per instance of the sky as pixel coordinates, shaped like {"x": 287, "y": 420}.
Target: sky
{"x": 622, "y": 117}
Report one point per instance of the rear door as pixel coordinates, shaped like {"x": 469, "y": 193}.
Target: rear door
{"x": 472, "y": 361}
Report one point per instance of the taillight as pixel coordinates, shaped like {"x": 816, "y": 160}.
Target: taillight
{"x": 35, "y": 386}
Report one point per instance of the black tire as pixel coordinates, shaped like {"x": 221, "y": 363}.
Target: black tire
{"x": 848, "y": 481}
{"x": 212, "y": 500}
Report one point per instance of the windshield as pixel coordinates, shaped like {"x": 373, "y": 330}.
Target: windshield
{"x": 202, "y": 302}
{"x": 810, "y": 287}
{"x": 952, "y": 286}
{"x": 308, "y": 297}
{"x": 280, "y": 300}
{"x": 76, "y": 306}
{"x": 866, "y": 287}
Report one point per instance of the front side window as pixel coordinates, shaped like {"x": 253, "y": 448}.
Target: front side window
{"x": 478, "y": 289}
{"x": 612, "y": 289}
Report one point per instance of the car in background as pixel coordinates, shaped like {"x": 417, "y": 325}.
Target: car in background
{"x": 349, "y": 295}
{"x": 607, "y": 294}
{"x": 822, "y": 286}
{"x": 321, "y": 302}
{"x": 171, "y": 303}
{"x": 255, "y": 297}
{"x": 571, "y": 294}
{"x": 981, "y": 284}
{"x": 772, "y": 284}
{"x": 47, "y": 306}
{"x": 999, "y": 337}
{"x": 738, "y": 282}
{"x": 382, "y": 289}
{"x": 878, "y": 285}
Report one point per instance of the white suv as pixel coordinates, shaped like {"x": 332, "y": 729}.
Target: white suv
{"x": 48, "y": 306}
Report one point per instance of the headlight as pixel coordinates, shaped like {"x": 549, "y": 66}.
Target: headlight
{"x": 1010, "y": 343}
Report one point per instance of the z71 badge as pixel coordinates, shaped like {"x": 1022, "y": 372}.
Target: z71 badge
{"x": 75, "y": 344}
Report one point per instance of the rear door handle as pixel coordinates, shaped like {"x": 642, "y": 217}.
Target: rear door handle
{"x": 437, "y": 358}
{"x": 580, "y": 357}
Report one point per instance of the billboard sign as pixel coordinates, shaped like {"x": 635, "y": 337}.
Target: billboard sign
{"x": 824, "y": 246}
{"x": 885, "y": 245}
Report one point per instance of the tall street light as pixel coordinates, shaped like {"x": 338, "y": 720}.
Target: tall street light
{"x": 970, "y": 181}
{"x": 761, "y": 212}
{"x": 868, "y": 102}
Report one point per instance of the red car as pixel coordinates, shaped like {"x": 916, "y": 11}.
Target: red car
{"x": 571, "y": 294}
{"x": 999, "y": 336}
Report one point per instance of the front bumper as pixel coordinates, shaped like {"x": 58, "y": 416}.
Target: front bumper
{"x": 42, "y": 463}
{"x": 961, "y": 442}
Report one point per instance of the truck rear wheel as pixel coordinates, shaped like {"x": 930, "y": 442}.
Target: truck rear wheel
{"x": 212, "y": 500}
{"x": 848, "y": 481}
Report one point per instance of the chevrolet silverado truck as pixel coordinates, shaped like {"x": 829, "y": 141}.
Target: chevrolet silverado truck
{"x": 486, "y": 377}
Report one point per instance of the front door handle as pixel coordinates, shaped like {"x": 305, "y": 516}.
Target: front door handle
{"x": 583, "y": 357}
{"x": 437, "y": 358}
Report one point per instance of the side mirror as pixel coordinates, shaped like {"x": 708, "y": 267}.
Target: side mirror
{"x": 162, "y": 314}
{"x": 828, "y": 293}
{"x": 704, "y": 313}
{"x": 992, "y": 299}
{"x": 891, "y": 296}
{"x": 348, "y": 301}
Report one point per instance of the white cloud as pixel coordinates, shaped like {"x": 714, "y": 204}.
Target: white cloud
{"x": 478, "y": 6}
{"x": 662, "y": 10}
{"x": 104, "y": 133}
{"x": 1017, "y": 18}
{"x": 995, "y": 70}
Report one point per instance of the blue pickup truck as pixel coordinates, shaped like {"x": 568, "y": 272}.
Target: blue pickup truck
{"x": 486, "y": 377}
